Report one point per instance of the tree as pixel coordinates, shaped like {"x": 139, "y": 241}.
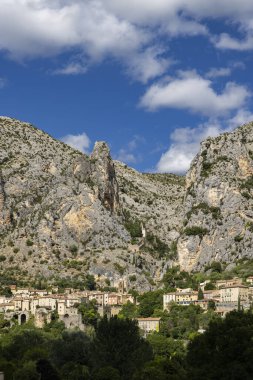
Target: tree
{"x": 107, "y": 373}
{"x": 75, "y": 371}
{"x": 118, "y": 344}
{"x": 211, "y": 305}
{"x": 149, "y": 302}
{"x": 129, "y": 310}
{"x": 224, "y": 351}
{"x": 90, "y": 282}
{"x": 89, "y": 312}
{"x": 26, "y": 372}
{"x": 73, "y": 346}
{"x": 200, "y": 294}
{"x": 165, "y": 346}
{"x": 46, "y": 370}
{"x": 210, "y": 286}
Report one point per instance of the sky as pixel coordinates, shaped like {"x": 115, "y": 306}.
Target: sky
{"x": 151, "y": 78}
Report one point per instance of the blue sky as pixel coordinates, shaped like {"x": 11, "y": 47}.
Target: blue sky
{"x": 152, "y": 78}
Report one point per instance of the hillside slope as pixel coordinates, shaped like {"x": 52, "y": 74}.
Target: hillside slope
{"x": 66, "y": 214}
{"x": 218, "y": 214}
{"x": 62, "y": 212}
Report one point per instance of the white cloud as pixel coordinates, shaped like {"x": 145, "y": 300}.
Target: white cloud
{"x": 194, "y": 93}
{"x": 185, "y": 142}
{"x": 243, "y": 116}
{"x": 148, "y": 64}
{"x": 72, "y": 68}
{"x": 225, "y": 41}
{"x": 127, "y": 31}
{"x": 48, "y": 28}
{"x": 184, "y": 146}
{"x": 80, "y": 142}
{"x": 218, "y": 72}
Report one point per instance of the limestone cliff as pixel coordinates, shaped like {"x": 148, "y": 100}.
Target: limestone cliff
{"x": 218, "y": 214}
{"x": 66, "y": 214}
{"x": 63, "y": 213}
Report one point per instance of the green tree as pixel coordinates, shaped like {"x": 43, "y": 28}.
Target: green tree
{"x": 46, "y": 370}
{"x": 75, "y": 371}
{"x": 211, "y": 305}
{"x": 224, "y": 351}
{"x": 89, "y": 312}
{"x": 118, "y": 344}
{"x": 200, "y": 294}
{"x": 27, "y": 372}
{"x": 129, "y": 310}
{"x": 90, "y": 282}
{"x": 150, "y": 301}
{"x": 210, "y": 286}
{"x": 107, "y": 373}
{"x": 165, "y": 346}
{"x": 72, "y": 346}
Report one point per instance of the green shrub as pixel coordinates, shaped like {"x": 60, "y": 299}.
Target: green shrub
{"x": 73, "y": 249}
{"x": 29, "y": 243}
{"x": 238, "y": 238}
{"x": 195, "y": 231}
{"x": 248, "y": 184}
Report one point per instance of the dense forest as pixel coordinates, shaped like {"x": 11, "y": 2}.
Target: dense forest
{"x": 115, "y": 350}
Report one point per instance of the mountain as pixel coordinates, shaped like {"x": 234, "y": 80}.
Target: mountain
{"x": 64, "y": 214}
{"x": 218, "y": 214}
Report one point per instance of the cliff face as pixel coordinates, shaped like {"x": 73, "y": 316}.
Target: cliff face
{"x": 218, "y": 214}
{"x": 103, "y": 174}
{"x": 63, "y": 213}
{"x": 66, "y": 214}
{"x": 54, "y": 200}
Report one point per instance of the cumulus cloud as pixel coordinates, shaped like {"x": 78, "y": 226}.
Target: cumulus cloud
{"x": 184, "y": 146}
{"x": 48, "y": 28}
{"x": 127, "y": 31}
{"x": 192, "y": 92}
{"x": 185, "y": 142}
{"x": 80, "y": 142}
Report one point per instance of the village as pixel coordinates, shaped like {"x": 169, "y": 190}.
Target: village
{"x": 41, "y": 305}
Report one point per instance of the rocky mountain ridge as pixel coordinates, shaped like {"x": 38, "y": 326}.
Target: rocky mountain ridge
{"x": 218, "y": 216}
{"x": 63, "y": 213}
{"x": 66, "y": 214}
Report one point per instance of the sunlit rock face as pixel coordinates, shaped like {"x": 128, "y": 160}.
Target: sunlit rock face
{"x": 218, "y": 203}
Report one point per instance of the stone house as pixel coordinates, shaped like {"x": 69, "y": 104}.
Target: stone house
{"x": 227, "y": 283}
{"x": 149, "y": 324}
{"x": 234, "y": 293}
{"x": 181, "y": 298}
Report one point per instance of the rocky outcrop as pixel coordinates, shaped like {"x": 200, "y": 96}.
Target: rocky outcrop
{"x": 66, "y": 214}
{"x": 104, "y": 177}
{"x": 218, "y": 217}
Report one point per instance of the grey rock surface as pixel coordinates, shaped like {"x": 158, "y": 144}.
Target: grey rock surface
{"x": 66, "y": 214}
{"x": 218, "y": 218}
{"x": 62, "y": 213}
